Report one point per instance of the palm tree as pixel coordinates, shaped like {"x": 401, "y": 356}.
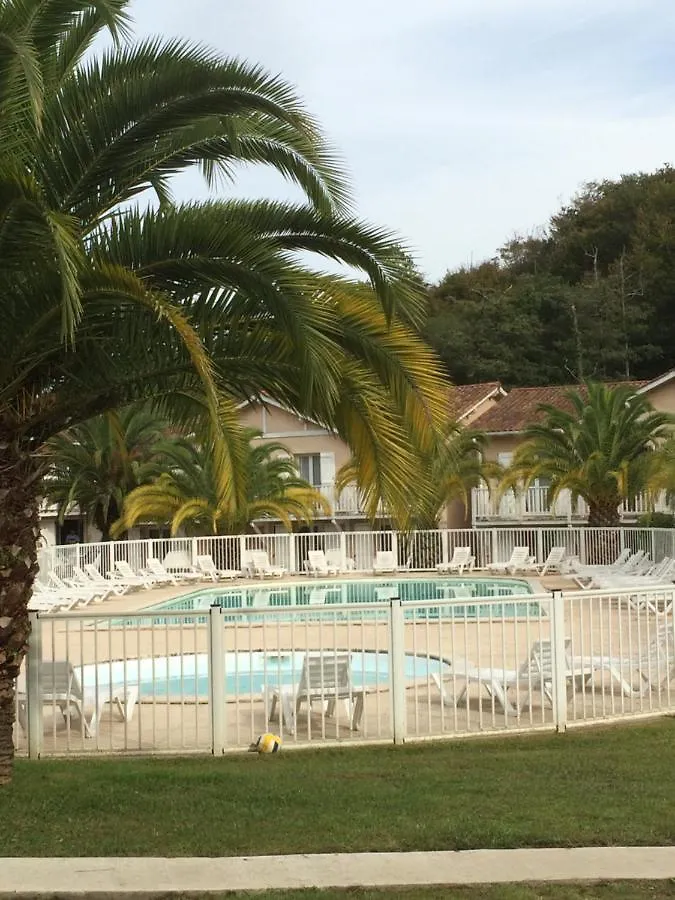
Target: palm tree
{"x": 452, "y": 468}
{"x": 605, "y": 448}
{"x": 107, "y": 302}
{"x": 95, "y": 464}
{"x": 187, "y": 496}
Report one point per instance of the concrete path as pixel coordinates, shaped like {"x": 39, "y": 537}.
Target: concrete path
{"x": 141, "y": 876}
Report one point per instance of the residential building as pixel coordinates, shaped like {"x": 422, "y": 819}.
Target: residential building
{"x": 504, "y": 424}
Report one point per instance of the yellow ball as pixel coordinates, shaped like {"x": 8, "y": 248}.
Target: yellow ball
{"x": 267, "y": 743}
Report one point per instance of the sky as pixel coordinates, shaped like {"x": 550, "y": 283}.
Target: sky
{"x": 461, "y": 122}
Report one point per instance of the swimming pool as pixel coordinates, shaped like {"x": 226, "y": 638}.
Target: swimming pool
{"x": 321, "y": 595}
{"x": 246, "y": 673}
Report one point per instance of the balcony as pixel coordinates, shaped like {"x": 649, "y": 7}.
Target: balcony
{"x": 532, "y": 506}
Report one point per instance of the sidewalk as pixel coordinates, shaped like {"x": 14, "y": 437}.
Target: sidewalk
{"x": 141, "y": 876}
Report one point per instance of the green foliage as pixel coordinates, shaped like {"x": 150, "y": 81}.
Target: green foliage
{"x": 605, "y": 446}
{"x": 589, "y": 298}
{"x": 187, "y": 495}
{"x": 108, "y": 302}
{"x": 656, "y": 520}
{"x": 94, "y": 465}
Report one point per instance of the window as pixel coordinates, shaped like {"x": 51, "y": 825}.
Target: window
{"x": 309, "y": 467}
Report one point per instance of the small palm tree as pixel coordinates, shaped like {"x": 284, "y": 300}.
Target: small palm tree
{"x": 96, "y": 464}
{"x": 188, "y": 495}
{"x": 451, "y": 469}
{"x": 606, "y": 448}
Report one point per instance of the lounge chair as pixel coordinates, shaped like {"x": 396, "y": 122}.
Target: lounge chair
{"x": 141, "y": 579}
{"x": 461, "y": 560}
{"x": 534, "y": 674}
{"x": 385, "y": 561}
{"x": 326, "y": 678}
{"x": 316, "y": 564}
{"x": 72, "y": 594}
{"x": 259, "y": 563}
{"x": 61, "y": 686}
{"x": 118, "y": 586}
{"x": 553, "y": 561}
{"x": 208, "y": 569}
{"x": 627, "y": 563}
{"x": 334, "y": 559}
{"x": 520, "y": 561}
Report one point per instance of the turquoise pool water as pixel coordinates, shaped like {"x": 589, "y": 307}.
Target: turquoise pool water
{"x": 317, "y": 595}
{"x": 245, "y": 673}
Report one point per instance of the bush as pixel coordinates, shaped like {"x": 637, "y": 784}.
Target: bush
{"x": 657, "y": 520}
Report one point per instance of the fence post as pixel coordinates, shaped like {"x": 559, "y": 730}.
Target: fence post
{"x": 33, "y": 689}
{"x": 243, "y": 559}
{"x": 394, "y": 547}
{"x": 292, "y": 555}
{"x": 541, "y": 556}
{"x": 217, "y": 679}
{"x": 445, "y": 550}
{"x": 397, "y": 670}
{"x": 493, "y": 547}
{"x": 343, "y": 551}
{"x": 559, "y": 661}
{"x": 582, "y": 546}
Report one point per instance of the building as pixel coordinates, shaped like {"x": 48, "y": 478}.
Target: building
{"x": 504, "y": 423}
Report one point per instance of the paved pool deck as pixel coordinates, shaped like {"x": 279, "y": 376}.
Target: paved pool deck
{"x": 152, "y": 877}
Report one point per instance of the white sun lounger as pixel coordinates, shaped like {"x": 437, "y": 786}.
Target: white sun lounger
{"x": 208, "y": 569}
{"x": 316, "y": 564}
{"x": 520, "y": 561}
{"x": 261, "y": 567}
{"x": 385, "y": 561}
{"x": 461, "y": 560}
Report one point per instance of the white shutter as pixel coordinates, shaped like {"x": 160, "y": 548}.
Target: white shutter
{"x": 327, "y": 468}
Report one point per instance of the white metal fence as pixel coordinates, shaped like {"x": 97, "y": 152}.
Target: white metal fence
{"x": 212, "y": 680}
{"x": 418, "y": 551}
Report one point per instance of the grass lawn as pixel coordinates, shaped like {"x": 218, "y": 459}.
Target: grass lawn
{"x": 601, "y": 787}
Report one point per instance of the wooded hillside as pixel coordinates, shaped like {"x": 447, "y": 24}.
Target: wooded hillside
{"x": 592, "y": 296}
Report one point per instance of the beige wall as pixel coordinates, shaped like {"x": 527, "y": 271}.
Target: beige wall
{"x": 501, "y": 443}
{"x": 662, "y": 397}
{"x": 297, "y": 434}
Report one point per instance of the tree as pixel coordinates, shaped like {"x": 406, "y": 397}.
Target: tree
{"x": 452, "y": 468}
{"x": 188, "y": 497}
{"x": 95, "y": 465}
{"x": 107, "y": 301}
{"x": 605, "y": 446}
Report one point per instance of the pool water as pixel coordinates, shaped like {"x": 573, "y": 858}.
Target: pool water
{"x": 245, "y": 673}
{"x": 323, "y": 595}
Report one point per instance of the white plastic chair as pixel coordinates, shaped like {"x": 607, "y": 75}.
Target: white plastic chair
{"x": 325, "y": 678}
{"x": 385, "y": 561}
{"x": 520, "y": 561}
{"x": 461, "y": 560}
{"x": 208, "y": 569}
{"x": 316, "y": 564}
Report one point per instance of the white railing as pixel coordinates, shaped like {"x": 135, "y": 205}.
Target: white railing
{"x": 533, "y": 504}
{"x": 321, "y": 670}
{"x": 354, "y": 551}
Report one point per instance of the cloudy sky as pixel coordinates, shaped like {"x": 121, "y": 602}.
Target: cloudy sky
{"x": 462, "y": 122}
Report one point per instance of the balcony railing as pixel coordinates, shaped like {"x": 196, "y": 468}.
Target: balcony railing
{"x": 533, "y": 504}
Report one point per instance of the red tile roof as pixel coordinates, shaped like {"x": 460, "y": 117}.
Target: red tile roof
{"x": 462, "y": 398}
{"x": 519, "y": 408}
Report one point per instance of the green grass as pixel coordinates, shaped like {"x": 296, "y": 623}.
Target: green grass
{"x": 601, "y": 787}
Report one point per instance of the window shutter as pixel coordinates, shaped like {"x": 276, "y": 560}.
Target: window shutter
{"x": 327, "y": 468}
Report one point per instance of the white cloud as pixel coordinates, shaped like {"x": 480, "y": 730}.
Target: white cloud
{"x": 461, "y": 121}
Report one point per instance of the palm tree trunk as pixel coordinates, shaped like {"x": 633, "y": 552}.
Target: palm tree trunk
{"x": 604, "y": 513}
{"x": 19, "y": 531}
